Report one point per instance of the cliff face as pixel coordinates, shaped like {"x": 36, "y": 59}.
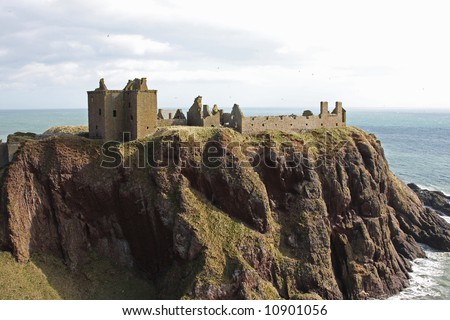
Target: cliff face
{"x": 308, "y": 215}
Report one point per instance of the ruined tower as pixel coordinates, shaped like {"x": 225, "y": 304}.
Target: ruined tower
{"x": 115, "y": 112}
{"x": 140, "y": 108}
{"x": 324, "y": 109}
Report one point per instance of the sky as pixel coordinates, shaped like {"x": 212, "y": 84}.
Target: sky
{"x": 367, "y": 54}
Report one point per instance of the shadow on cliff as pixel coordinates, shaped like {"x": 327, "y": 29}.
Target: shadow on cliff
{"x": 99, "y": 278}
{"x": 78, "y": 211}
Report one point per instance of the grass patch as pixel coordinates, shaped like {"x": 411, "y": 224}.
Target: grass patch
{"x": 23, "y": 282}
{"x": 46, "y": 277}
{"x": 225, "y": 238}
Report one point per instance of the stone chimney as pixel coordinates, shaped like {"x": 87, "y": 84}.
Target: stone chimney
{"x": 338, "y": 107}
{"x": 144, "y": 84}
{"x": 101, "y": 85}
{"x": 323, "y": 109}
{"x": 137, "y": 84}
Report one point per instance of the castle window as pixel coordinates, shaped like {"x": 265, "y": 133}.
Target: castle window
{"x": 99, "y": 112}
{"x": 129, "y": 105}
{"x": 131, "y": 117}
{"x": 263, "y": 124}
{"x": 336, "y": 124}
{"x": 148, "y": 128}
{"x": 96, "y": 127}
{"x": 114, "y": 113}
{"x": 92, "y": 99}
{"x": 321, "y": 124}
{"x": 252, "y": 124}
{"x": 291, "y": 124}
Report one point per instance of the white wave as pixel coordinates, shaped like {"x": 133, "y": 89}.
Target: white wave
{"x": 432, "y": 187}
{"x": 430, "y": 278}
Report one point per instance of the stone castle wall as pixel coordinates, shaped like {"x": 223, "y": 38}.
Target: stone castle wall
{"x": 200, "y": 115}
{"x": 296, "y": 123}
{"x": 171, "y": 122}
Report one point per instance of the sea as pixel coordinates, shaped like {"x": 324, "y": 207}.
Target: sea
{"x": 416, "y": 144}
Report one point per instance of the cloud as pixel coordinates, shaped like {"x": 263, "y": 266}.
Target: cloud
{"x": 134, "y": 44}
{"x": 382, "y": 53}
{"x": 36, "y": 74}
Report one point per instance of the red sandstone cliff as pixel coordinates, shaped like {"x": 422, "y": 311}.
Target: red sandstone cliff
{"x": 337, "y": 225}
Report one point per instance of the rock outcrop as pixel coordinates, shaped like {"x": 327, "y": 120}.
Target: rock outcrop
{"x": 436, "y": 200}
{"x": 220, "y": 215}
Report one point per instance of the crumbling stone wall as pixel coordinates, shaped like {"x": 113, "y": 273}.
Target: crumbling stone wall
{"x": 164, "y": 114}
{"x": 7, "y": 151}
{"x": 225, "y": 119}
{"x": 194, "y": 114}
{"x": 12, "y": 149}
{"x": 200, "y": 115}
{"x": 171, "y": 122}
{"x": 236, "y": 119}
{"x": 4, "y": 157}
{"x": 211, "y": 118}
{"x": 325, "y": 119}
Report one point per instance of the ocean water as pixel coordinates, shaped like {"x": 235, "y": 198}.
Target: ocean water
{"x": 38, "y": 121}
{"x": 416, "y": 144}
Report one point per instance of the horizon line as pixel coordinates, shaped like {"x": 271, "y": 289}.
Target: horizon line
{"x": 373, "y": 109}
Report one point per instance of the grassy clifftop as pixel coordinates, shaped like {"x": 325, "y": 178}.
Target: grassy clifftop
{"x": 277, "y": 215}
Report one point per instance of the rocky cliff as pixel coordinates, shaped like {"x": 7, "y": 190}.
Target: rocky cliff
{"x": 209, "y": 213}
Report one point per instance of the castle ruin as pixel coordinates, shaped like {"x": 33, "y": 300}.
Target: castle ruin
{"x": 134, "y": 110}
{"x": 113, "y": 112}
{"x": 132, "y": 113}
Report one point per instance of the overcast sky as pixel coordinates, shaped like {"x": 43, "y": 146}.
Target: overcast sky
{"x": 254, "y": 53}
